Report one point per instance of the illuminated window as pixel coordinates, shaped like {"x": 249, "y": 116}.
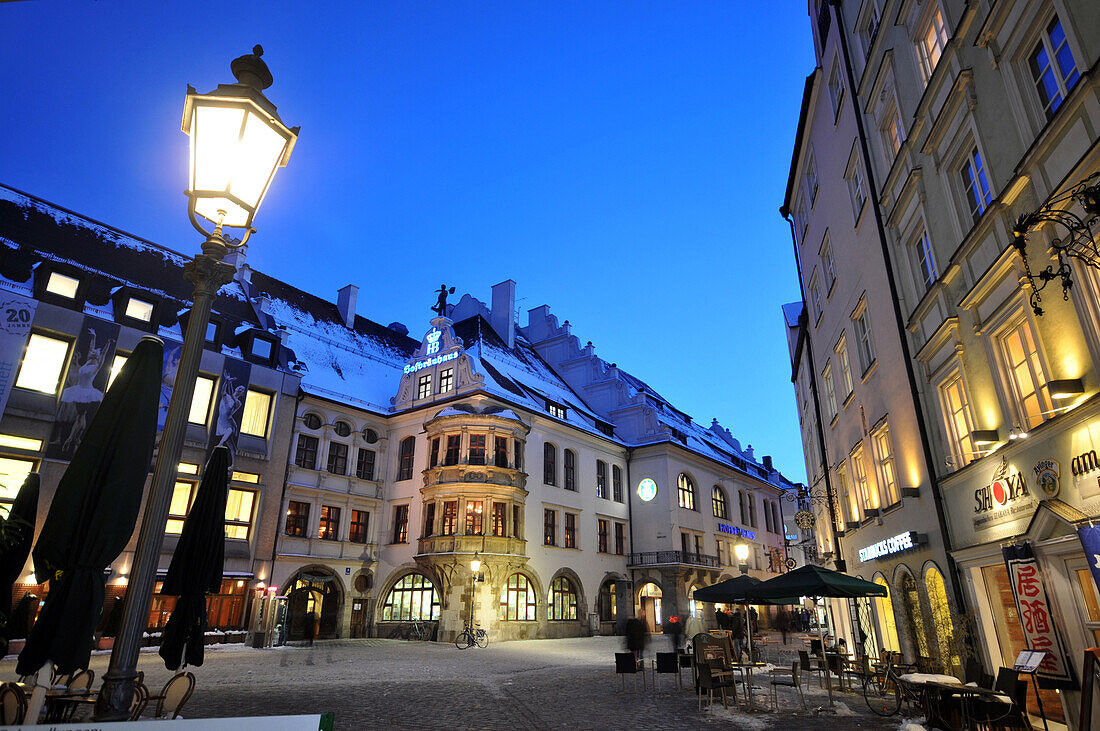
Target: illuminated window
{"x": 446, "y": 380}
{"x": 238, "y": 513}
{"x": 449, "y": 525}
{"x": 550, "y": 527}
{"x": 329, "y": 528}
{"x": 257, "y": 407}
{"x": 14, "y": 442}
{"x": 601, "y": 535}
{"x": 139, "y": 309}
{"x": 563, "y": 600}
{"x": 42, "y": 364}
{"x": 931, "y": 39}
{"x": 570, "y": 469}
{"x": 177, "y": 511}
{"x": 884, "y": 463}
{"x": 424, "y": 387}
{"x": 474, "y": 517}
{"x": 941, "y": 619}
{"x": 885, "y": 611}
{"x": 848, "y": 499}
{"x": 1052, "y": 67}
{"x": 975, "y": 184}
{"x": 500, "y": 518}
{"x": 555, "y": 410}
{"x": 250, "y": 477}
{"x": 685, "y": 491}
{"x": 13, "y": 472}
{"x": 450, "y": 457}
{"x": 364, "y": 464}
{"x": 517, "y": 601}
{"x": 200, "y": 401}
{"x": 1025, "y": 374}
{"x": 893, "y": 134}
{"x": 718, "y": 503}
{"x": 405, "y": 458}
{"x": 617, "y": 483}
{"x": 116, "y": 368}
{"x": 868, "y": 498}
{"x": 62, "y": 285}
{"x": 549, "y": 463}
{"x": 601, "y": 479}
{"x": 477, "y": 449}
{"x": 608, "y": 609}
{"x": 297, "y": 518}
{"x": 570, "y": 530}
{"x": 844, "y": 367}
{"x": 306, "y": 454}
{"x": 337, "y": 458}
{"x": 413, "y": 597}
{"x": 401, "y": 524}
{"x": 360, "y": 521}
{"x": 960, "y": 423}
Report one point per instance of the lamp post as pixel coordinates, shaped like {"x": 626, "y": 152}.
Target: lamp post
{"x": 237, "y": 144}
{"x": 475, "y": 567}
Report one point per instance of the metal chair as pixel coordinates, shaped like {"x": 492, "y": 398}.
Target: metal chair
{"x": 709, "y": 683}
{"x": 13, "y": 704}
{"x": 793, "y": 682}
{"x": 141, "y": 697}
{"x": 176, "y": 693}
{"x": 627, "y": 664}
{"x": 810, "y": 668}
{"x": 81, "y": 683}
{"x": 665, "y": 664}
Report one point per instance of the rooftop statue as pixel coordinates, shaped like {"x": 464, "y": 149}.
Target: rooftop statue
{"x": 441, "y": 303}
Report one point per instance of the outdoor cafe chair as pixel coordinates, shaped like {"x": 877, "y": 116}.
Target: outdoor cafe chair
{"x": 627, "y": 664}
{"x": 13, "y": 704}
{"x": 176, "y": 693}
{"x": 792, "y": 682}
{"x": 810, "y": 668}
{"x": 666, "y": 663}
{"x": 81, "y": 683}
{"x": 141, "y": 697}
{"x": 709, "y": 682}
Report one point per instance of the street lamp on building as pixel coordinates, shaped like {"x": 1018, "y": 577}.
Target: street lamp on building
{"x": 237, "y": 144}
{"x": 475, "y": 564}
{"x": 741, "y": 550}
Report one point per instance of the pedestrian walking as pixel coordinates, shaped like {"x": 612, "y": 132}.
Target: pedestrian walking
{"x": 720, "y": 618}
{"x": 312, "y": 621}
{"x": 738, "y": 633}
{"x": 675, "y": 630}
{"x": 783, "y": 623}
{"x": 636, "y": 634}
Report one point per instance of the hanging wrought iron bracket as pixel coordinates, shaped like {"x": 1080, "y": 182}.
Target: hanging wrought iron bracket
{"x": 1077, "y": 241}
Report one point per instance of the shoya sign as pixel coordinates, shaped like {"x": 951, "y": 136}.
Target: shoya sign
{"x": 1002, "y": 490}
{"x": 897, "y": 544}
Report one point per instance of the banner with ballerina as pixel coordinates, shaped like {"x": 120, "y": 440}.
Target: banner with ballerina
{"x": 229, "y": 401}
{"x": 85, "y": 383}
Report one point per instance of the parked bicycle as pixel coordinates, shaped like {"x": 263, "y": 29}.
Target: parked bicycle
{"x": 884, "y": 691}
{"x": 415, "y": 630}
{"x": 471, "y": 635}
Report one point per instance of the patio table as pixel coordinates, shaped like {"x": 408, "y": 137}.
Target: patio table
{"x": 967, "y": 695}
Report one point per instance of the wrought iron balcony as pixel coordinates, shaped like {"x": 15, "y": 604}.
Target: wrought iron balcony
{"x": 668, "y": 558}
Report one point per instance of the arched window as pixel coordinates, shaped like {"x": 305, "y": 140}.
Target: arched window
{"x": 517, "y": 601}
{"x": 342, "y": 429}
{"x": 910, "y": 600}
{"x": 941, "y": 618}
{"x": 570, "y": 463}
{"x": 405, "y": 461}
{"x": 885, "y": 610}
{"x": 685, "y": 490}
{"x": 413, "y": 597}
{"x": 549, "y": 464}
{"x": 608, "y": 606}
{"x": 563, "y": 600}
{"x": 718, "y": 502}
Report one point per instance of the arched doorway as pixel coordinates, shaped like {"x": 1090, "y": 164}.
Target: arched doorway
{"x": 314, "y": 590}
{"x": 914, "y": 619}
{"x": 941, "y": 619}
{"x": 887, "y": 624}
{"x": 649, "y": 602}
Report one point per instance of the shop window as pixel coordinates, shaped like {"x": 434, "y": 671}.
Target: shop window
{"x": 364, "y": 464}
{"x": 549, "y": 464}
{"x": 401, "y": 524}
{"x": 718, "y": 502}
{"x": 306, "y": 454}
{"x": 474, "y": 517}
{"x": 563, "y": 600}
{"x": 685, "y": 492}
{"x": 413, "y": 597}
{"x": 941, "y": 621}
{"x": 43, "y": 361}
{"x": 617, "y": 483}
{"x": 517, "y": 601}
{"x": 177, "y": 510}
{"x": 329, "y": 529}
{"x": 405, "y": 458}
{"x": 62, "y": 285}
{"x": 620, "y": 539}
{"x": 914, "y": 618}
{"x": 297, "y": 519}
{"x": 450, "y": 457}
{"x": 337, "y": 458}
{"x": 477, "y": 449}
{"x": 500, "y": 518}
{"x": 887, "y": 624}
{"x": 569, "y": 462}
{"x": 200, "y": 401}
{"x": 238, "y": 513}
{"x": 1052, "y": 67}
{"x": 449, "y": 525}
{"x": 570, "y": 530}
{"x": 550, "y": 527}
{"x": 500, "y": 452}
{"x": 601, "y": 535}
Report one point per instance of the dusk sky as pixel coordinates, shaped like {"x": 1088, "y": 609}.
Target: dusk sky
{"x": 623, "y": 162}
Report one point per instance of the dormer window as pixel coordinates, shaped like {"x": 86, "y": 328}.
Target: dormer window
{"x": 555, "y": 410}
{"x": 62, "y": 285}
{"x": 139, "y": 309}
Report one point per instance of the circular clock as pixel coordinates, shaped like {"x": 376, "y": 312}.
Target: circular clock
{"x": 791, "y": 563}
{"x": 804, "y": 519}
{"x": 647, "y": 490}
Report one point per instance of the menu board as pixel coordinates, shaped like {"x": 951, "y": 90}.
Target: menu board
{"x": 1028, "y": 661}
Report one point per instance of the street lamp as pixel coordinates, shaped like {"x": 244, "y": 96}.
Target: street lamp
{"x": 475, "y": 564}
{"x": 237, "y": 144}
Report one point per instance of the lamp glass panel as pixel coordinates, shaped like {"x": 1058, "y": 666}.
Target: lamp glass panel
{"x": 260, "y": 150}
{"x": 215, "y": 134}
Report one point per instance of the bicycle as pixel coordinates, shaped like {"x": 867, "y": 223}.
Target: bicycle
{"x": 418, "y": 631}
{"x": 884, "y": 691}
{"x": 471, "y": 635}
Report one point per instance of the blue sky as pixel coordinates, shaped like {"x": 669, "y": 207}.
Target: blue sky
{"x": 622, "y": 161}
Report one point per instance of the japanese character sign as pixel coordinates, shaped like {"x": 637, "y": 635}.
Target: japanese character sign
{"x": 1039, "y": 627}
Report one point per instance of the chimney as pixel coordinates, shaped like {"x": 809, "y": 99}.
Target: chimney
{"x": 768, "y": 463}
{"x": 345, "y": 303}
{"x": 503, "y": 315}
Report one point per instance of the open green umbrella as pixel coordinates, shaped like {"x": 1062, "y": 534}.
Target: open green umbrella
{"x": 92, "y": 515}
{"x": 736, "y": 591}
{"x": 197, "y": 565}
{"x": 16, "y": 536}
{"x": 817, "y": 582}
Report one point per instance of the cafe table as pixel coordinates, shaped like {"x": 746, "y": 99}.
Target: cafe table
{"x": 968, "y": 695}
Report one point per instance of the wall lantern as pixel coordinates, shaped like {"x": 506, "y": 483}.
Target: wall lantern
{"x": 985, "y": 437}
{"x": 1066, "y": 388}
{"x": 475, "y": 563}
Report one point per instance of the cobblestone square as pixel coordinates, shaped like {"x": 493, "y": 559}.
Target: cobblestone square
{"x": 538, "y": 684}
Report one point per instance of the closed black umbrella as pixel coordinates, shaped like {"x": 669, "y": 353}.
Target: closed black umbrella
{"x": 93, "y": 513}
{"x": 196, "y": 566}
{"x": 16, "y": 536}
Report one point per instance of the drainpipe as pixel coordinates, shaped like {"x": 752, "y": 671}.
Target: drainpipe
{"x": 630, "y": 528}
{"x": 937, "y": 497}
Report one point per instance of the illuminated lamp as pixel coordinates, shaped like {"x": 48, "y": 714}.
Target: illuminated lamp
{"x": 475, "y": 563}
{"x": 1066, "y": 388}
{"x": 985, "y": 437}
